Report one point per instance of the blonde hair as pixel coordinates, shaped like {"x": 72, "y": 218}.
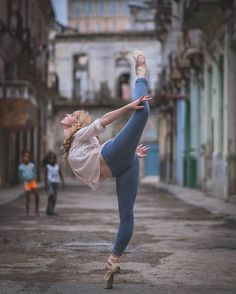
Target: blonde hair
{"x": 83, "y": 120}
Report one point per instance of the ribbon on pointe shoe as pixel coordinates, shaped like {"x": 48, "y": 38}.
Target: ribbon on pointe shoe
{"x": 113, "y": 267}
{"x": 113, "y": 264}
{"x": 140, "y": 62}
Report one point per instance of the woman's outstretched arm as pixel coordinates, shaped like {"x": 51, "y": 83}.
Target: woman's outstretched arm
{"x": 109, "y": 117}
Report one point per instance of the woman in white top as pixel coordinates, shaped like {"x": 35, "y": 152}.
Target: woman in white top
{"x": 92, "y": 162}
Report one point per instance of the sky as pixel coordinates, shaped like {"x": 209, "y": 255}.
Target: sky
{"x": 60, "y": 10}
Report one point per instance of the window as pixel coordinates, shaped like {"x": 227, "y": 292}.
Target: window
{"x": 87, "y": 26}
{"x": 210, "y": 110}
{"x": 123, "y": 69}
{"x": 81, "y": 77}
{"x": 89, "y": 7}
{"x": 98, "y": 26}
{"x": 113, "y": 26}
{"x": 76, "y": 8}
{"x": 221, "y": 102}
{"x": 113, "y": 7}
{"x": 81, "y": 62}
{"x": 101, "y": 7}
{"x": 126, "y": 9}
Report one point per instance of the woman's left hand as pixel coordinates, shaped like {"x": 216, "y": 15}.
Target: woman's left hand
{"x": 136, "y": 103}
{"x": 142, "y": 150}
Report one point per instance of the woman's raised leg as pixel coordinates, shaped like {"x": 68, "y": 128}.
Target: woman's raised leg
{"x": 119, "y": 152}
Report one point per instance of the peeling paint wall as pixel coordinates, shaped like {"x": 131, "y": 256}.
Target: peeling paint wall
{"x": 102, "y": 55}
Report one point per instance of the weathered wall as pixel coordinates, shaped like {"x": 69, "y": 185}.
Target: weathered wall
{"x": 102, "y": 54}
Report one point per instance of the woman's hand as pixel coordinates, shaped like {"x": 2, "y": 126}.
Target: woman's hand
{"x": 136, "y": 103}
{"x": 141, "y": 151}
{"x": 109, "y": 117}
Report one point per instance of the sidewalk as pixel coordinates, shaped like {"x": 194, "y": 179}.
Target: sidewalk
{"x": 11, "y": 193}
{"x": 195, "y": 197}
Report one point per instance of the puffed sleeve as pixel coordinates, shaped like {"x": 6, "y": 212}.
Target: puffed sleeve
{"x": 93, "y": 130}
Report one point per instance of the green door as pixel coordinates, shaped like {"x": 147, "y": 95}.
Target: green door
{"x": 190, "y": 163}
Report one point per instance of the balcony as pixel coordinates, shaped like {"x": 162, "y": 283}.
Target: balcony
{"x": 18, "y": 105}
{"x": 12, "y": 36}
{"x": 189, "y": 52}
{"x": 167, "y": 90}
{"x": 163, "y": 19}
{"x": 198, "y": 14}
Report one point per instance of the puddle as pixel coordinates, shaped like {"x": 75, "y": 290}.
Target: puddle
{"x": 69, "y": 246}
{"x": 86, "y": 245}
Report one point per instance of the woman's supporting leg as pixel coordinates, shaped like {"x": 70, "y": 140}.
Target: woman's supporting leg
{"x": 119, "y": 152}
{"x": 126, "y": 188}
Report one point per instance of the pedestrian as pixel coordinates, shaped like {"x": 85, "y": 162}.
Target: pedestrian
{"x": 53, "y": 175}
{"x": 27, "y": 175}
{"x": 46, "y": 158}
{"x": 92, "y": 162}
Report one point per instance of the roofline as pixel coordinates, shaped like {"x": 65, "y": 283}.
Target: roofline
{"x": 108, "y": 35}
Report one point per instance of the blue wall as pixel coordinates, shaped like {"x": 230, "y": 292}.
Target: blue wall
{"x": 180, "y": 141}
{"x": 152, "y": 161}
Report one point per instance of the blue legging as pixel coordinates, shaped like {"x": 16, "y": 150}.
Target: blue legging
{"x": 120, "y": 155}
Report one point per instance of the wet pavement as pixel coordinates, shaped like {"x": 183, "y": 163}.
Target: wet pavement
{"x": 176, "y": 247}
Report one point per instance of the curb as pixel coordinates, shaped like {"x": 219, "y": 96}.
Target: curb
{"x": 10, "y": 194}
{"x": 198, "y": 198}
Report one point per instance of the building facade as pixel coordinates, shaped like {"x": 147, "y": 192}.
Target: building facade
{"x": 23, "y": 82}
{"x": 197, "y": 83}
{"x": 102, "y": 16}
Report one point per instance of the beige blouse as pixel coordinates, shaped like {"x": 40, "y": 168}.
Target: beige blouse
{"x": 85, "y": 153}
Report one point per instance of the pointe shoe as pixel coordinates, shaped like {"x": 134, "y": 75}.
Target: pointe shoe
{"x": 109, "y": 275}
{"x": 140, "y": 63}
{"x": 112, "y": 267}
{"x": 137, "y": 52}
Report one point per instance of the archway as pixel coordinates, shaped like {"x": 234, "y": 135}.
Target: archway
{"x": 123, "y": 69}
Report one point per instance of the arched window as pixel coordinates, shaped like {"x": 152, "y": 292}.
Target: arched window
{"x": 81, "y": 81}
{"x": 123, "y": 69}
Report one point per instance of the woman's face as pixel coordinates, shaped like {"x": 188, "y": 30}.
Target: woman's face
{"x": 70, "y": 119}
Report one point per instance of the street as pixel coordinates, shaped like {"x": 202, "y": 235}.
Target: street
{"x": 176, "y": 247}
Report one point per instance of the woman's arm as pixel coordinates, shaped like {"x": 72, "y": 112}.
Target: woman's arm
{"x": 109, "y": 117}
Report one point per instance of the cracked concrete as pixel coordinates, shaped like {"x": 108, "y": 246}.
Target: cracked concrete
{"x": 176, "y": 248}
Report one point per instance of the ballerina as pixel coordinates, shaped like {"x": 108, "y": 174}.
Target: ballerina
{"x": 92, "y": 162}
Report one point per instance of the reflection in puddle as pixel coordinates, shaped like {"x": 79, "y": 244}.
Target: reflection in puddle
{"x": 83, "y": 245}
